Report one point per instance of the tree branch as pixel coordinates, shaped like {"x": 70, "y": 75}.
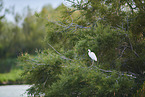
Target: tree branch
{"x": 62, "y": 56}
{"x": 45, "y": 81}
{"x": 130, "y": 74}
{"x": 133, "y": 75}
{"x": 132, "y": 48}
{"x": 123, "y": 51}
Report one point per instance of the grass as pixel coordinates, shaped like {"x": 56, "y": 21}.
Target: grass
{"x": 12, "y": 77}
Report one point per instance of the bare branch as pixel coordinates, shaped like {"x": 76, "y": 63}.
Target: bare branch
{"x": 132, "y": 48}
{"x": 62, "y": 56}
{"x": 133, "y": 75}
{"x": 123, "y": 51}
{"x": 45, "y": 81}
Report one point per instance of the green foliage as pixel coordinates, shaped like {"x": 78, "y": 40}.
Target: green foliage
{"x": 83, "y": 81}
{"x": 42, "y": 68}
{"x": 36, "y": 14}
{"x": 105, "y": 28}
{"x": 55, "y": 77}
{"x": 13, "y": 77}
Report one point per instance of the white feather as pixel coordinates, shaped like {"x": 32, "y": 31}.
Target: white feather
{"x": 92, "y": 55}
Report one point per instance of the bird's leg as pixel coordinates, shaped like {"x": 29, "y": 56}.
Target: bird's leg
{"x": 92, "y": 63}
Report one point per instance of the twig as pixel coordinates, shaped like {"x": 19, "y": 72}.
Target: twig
{"x": 123, "y": 51}
{"x": 64, "y": 25}
{"x": 54, "y": 49}
{"x": 62, "y": 56}
{"x": 132, "y": 48}
{"x": 45, "y": 80}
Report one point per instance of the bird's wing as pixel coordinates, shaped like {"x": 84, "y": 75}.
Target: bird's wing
{"x": 93, "y": 56}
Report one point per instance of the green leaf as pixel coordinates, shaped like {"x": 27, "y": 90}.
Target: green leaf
{"x": 37, "y": 15}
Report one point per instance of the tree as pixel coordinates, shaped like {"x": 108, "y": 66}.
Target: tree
{"x": 105, "y": 28}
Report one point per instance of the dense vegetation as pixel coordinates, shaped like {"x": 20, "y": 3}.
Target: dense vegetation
{"x": 113, "y": 29}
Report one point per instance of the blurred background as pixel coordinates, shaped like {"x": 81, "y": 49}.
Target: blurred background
{"x": 21, "y": 32}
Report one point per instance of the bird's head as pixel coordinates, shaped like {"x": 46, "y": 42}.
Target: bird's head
{"x": 89, "y": 50}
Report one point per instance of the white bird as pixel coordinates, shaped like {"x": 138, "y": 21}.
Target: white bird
{"x": 92, "y": 56}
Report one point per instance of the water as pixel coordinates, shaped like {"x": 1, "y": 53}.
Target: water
{"x": 13, "y": 90}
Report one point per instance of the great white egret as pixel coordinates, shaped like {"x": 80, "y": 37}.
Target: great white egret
{"x": 92, "y": 56}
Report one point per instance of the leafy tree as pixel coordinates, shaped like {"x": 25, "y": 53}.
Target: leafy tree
{"x": 103, "y": 26}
